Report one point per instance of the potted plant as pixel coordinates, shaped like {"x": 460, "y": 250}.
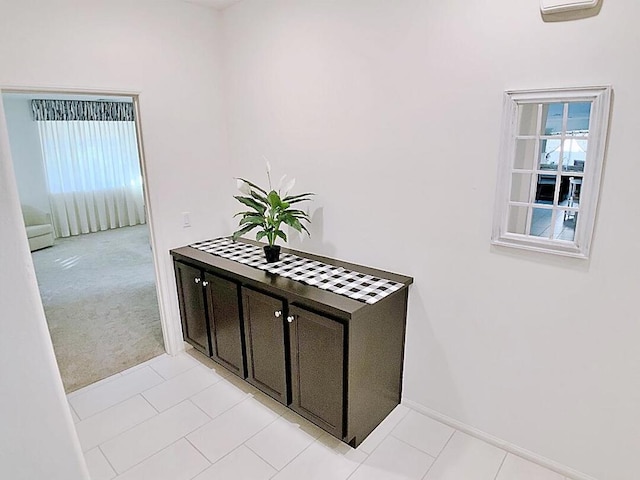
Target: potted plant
{"x": 269, "y": 210}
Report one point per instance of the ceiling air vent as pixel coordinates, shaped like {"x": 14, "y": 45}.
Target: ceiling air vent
{"x": 555, "y": 6}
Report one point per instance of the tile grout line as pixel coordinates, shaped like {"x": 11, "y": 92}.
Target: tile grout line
{"x": 412, "y": 446}
{"x": 163, "y": 448}
{"x": 389, "y": 434}
{"x": 74, "y": 411}
{"x": 263, "y": 428}
{"x": 500, "y": 467}
{"x": 108, "y": 461}
{"x": 172, "y": 377}
{"x": 111, "y": 406}
{"x": 93, "y": 386}
{"x": 446, "y": 443}
{"x": 367, "y": 455}
{"x": 151, "y": 404}
{"x": 125, "y": 399}
{"x": 247, "y": 396}
{"x": 156, "y": 453}
{"x": 402, "y": 417}
{"x": 198, "y": 407}
{"x": 235, "y": 449}
{"x": 424, "y": 477}
{"x": 286, "y": 464}
{"x": 187, "y": 398}
{"x": 184, "y": 436}
{"x": 131, "y": 427}
{"x": 244, "y": 444}
{"x": 141, "y": 365}
{"x": 201, "y": 453}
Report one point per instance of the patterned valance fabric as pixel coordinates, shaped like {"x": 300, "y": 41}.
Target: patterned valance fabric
{"x": 82, "y": 110}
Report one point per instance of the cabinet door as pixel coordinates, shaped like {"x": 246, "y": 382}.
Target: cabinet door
{"x": 317, "y": 368}
{"x": 192, "y": 308}
{"x": 224, "y": 319}
{"x": 265, "y": 340}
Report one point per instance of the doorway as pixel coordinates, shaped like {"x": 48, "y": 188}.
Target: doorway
{"x": 96, "y": 275}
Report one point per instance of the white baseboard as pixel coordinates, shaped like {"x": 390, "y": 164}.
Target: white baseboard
{"x": 504, "y": 445}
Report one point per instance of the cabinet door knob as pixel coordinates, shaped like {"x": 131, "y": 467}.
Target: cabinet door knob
{"x": 291, "y": 318}
{"x": 205, "y": 283}
{"x": 197, "y": 280}
{"x": 277, "y": 313}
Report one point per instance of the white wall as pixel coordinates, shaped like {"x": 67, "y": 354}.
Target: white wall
{"x": 391, "y": 111}
{"x": 168, "y": 52}
{"x": 26, "y": 153}
{"x": 38, "y": 439}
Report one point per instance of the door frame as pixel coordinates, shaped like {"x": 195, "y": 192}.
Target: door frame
{"x": 172, "y": 344}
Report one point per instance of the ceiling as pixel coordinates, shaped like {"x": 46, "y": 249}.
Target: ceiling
{"x": 217, "y": 4}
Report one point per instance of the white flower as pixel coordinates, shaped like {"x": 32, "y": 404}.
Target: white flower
{"x": 243, "y": 186}
{"x": 287, "y": 188}
{"x": 281, "y": 182}
{"x": 268, "y": 171}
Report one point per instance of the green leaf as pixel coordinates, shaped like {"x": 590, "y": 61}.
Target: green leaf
{"x": 274, "y": 199}
{"x": 250, "y": 202}
{"x": 297, "y": 200}
{"x": 299, "y": 214}
{"x": 294, "y": 197}
{"x": 253, "y": 185}
{"x": 242, "y": 231}
{"x": 281, "y": 234}
{"x": 260, "y": 198}
{"x": 292, "y": 222}
{"x": 260, "y": 235}
{"x": 305, "y": 229}
{"x": 253, "y": 220}
{"x": 244, "y": 213}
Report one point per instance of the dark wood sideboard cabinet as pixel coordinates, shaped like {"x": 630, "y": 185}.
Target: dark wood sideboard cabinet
{"x": 334, "y": 360}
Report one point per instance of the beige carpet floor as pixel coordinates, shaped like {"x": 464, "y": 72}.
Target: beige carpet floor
{"x": 100, "y": 301}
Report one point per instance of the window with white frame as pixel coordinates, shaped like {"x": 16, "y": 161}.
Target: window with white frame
{"x": 551, "y": 158}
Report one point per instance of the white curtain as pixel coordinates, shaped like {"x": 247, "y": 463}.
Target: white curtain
{"x": 93, "y": 174}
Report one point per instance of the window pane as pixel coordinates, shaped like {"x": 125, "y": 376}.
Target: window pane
{"x": 573, "y": 191}
{"x": 547, "y": 137}
{"x": 520, "y": 187}
{"x": 565, "y": 228}
{"x": 552, "y": 118}
{"x": 541, "y": 222}
{"x": 549, "y": 154}
{"x": 546, "y": 188}
{"x": 527, "y": 118}
{"x": 517, "y": 222}
{"x": 574, "y": 154}
{"x": 578, "y": 118}
{"x": 525, "y": 154}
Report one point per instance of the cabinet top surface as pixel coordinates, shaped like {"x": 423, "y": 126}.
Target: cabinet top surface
{"x": 279, "y": 284}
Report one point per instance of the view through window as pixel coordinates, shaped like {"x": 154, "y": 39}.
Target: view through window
{"x": 551, "y": 163}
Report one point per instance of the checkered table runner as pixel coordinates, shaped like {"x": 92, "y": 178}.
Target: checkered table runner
{"x": 358, "y": 286}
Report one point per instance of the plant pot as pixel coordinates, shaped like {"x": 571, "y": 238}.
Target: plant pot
{"x": 272, "y": 253}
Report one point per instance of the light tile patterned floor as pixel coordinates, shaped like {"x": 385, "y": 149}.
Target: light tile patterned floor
{"x": 184, "y": 418}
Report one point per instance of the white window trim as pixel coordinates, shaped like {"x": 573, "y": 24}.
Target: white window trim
{"x": 598, "y": 128}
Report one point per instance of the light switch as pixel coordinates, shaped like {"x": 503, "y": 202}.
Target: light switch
{"x": 186, "y": 219}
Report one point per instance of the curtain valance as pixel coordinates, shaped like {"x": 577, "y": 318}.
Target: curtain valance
{"x": 82, "y": 110}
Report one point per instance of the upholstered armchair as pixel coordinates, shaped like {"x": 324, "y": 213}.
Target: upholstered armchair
{"x": 39, "y": 227}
